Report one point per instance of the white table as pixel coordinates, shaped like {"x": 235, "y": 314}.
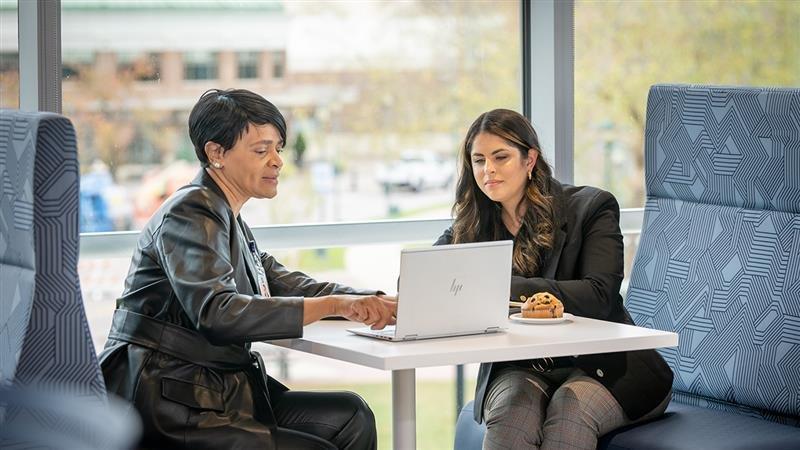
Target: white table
{"x": 520, "y": 341}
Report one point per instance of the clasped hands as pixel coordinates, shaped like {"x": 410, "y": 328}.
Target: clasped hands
{"x": 376, "y": 311}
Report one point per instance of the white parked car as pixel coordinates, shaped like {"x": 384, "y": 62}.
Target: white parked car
{"x": 417, "y": 171}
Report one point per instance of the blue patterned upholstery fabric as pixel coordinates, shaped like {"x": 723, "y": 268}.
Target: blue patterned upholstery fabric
{"x": 719, "y": 257}
{"x": 719, "y": 263}
{"x": 51, "y": 387}
{"x": 40, "y": 183}
{"x": 17, "y": 262}
{"x": 737, "y": 147}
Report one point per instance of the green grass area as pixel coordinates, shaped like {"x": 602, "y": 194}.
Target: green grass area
{"x": 412, "y": 213}
{"x": 436, "y": 414}
{"x": 318, "y": 260}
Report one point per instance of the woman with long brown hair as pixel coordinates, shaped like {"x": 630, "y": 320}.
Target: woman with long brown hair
{"x": 567, "y": 241}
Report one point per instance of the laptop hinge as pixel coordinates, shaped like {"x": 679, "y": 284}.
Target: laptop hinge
{"x": 492, "y": 330}
{"x": 410, "y": 337}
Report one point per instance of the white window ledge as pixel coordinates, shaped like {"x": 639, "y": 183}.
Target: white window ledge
{"x": 321, "y": 235}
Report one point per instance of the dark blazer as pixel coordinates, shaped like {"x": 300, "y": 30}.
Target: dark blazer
{"x": 585, "y": 269}
{"x": 194, "y": 269}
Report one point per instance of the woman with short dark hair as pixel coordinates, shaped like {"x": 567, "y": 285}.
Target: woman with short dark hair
{"x": 567, "y": 242}
{"x": 199, "y": 291}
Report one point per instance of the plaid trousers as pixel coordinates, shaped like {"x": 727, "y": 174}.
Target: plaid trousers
{"x": 559, "y": 409}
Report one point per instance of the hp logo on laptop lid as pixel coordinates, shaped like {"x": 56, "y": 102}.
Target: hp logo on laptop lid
{"x": 455, "y": 288}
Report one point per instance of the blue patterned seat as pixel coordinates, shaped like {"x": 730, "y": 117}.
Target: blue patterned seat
{"x": 51, "y": 389}
{"x": 719, "y": 263}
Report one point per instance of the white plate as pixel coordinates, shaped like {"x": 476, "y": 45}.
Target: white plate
{"x": 518, "y": 318}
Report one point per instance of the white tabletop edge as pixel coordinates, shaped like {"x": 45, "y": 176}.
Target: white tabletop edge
{"x": 392, "y": 356}
{"x": 322, "y": 349}
{"x": 409, "y": 362}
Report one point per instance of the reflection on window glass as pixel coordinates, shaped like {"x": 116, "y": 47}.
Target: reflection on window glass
{"x": 375, "y": 114}
{"x": 623, "y": 47}
{"x": 9, "y": 55}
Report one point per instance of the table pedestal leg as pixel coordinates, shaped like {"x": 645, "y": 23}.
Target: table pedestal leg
{"x": 404, "y": 409}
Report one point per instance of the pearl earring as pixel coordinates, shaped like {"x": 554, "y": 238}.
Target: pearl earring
{"x": 530, "y": 175}
{"x": 217, "y": 165}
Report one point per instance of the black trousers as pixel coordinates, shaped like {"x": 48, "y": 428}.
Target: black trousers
{"x": 184, "y": 405}
{"x": 190, "y": 394}
{"x": 323, "y": 420}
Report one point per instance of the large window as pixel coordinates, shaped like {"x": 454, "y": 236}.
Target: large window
{"x": 375, "y": 113}
{"x": 9, "y": 55}
{"x": 623, "y": 47}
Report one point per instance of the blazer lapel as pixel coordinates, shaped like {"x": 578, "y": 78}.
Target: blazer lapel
{"x": 554, "y": 255}
{"x": 560, "y": 234}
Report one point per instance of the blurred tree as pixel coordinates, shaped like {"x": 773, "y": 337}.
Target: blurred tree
{"x": 299, "y": 148}
{"x": 111, "y": 126}
{"x": 9, "y": 88}
{"x": 624, "y": 47}
{"x": 466, "y": 68}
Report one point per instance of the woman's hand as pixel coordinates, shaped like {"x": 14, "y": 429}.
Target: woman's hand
{"x": 376, "y": 311}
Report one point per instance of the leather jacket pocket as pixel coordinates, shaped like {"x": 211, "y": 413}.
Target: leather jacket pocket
{"x": 192, "y": 395}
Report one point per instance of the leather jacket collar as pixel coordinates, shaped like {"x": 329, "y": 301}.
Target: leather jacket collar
{"x": 204, "y": 179}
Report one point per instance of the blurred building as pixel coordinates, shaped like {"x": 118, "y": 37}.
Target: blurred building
{"x": 146, "y": 62}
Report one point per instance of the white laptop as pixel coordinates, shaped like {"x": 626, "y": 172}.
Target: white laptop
{"x": 450, "y": 290}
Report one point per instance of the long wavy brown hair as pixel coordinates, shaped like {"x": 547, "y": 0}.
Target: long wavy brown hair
{"x": 477, "y": 218}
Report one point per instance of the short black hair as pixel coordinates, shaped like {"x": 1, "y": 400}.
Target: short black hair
{"x": 222, "y": 116}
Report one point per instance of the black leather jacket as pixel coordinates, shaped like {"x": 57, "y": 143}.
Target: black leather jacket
{"x": 585, "y": 269}
{"x": 195, "y": 272}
